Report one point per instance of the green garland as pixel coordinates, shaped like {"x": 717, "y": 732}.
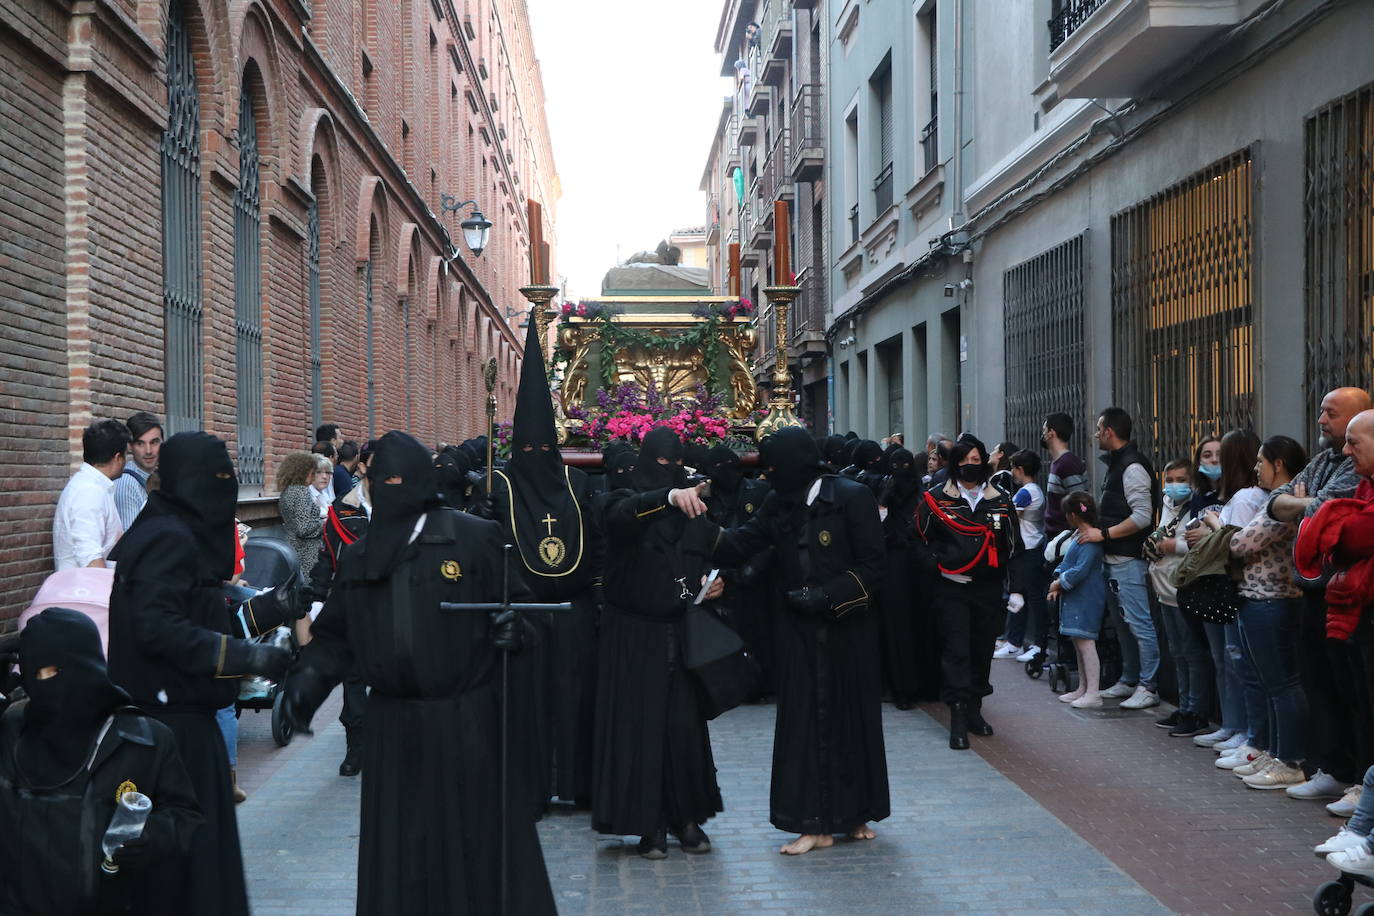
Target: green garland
{"x": 614, "y": 336}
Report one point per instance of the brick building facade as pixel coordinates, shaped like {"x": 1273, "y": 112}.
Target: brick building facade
{"x": 229, "y": 213}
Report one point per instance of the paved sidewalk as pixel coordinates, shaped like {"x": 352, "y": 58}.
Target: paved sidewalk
{"x": 961, "y": 837}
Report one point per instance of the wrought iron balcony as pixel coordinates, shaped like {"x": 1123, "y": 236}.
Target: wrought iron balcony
{"x": 882, "y": 189}
{"x": 1120, "y": 48}
{"x": 748, "y": 131}
{"x": 930, "y": 143}
{"x": 1069, "y": 15}
{"x": 809, "y": 313}
{"x": 853, "y": 224}
{"x": 807, "y": 133}
{"x": 776, "y": 179}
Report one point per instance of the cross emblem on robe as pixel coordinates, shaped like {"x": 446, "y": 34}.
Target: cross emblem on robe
{"x": 549, "y": 521}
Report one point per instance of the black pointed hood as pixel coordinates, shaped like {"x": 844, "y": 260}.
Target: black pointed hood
{"x": 660, "y": 442}
{"x": 396, "y": 506}
{"x": 540, "y": 468}
{"x": 792, "y": 461}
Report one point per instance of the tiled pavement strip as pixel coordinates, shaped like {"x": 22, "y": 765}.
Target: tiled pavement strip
{"x": 963, "y": 837}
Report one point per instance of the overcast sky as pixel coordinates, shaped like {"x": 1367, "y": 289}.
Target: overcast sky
{"x": 634, "y": 92}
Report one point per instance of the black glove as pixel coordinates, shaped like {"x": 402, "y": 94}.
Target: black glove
{"x": 811, "y": 601}
{"x": 140, "y": 852}
{"x": 244, "y": 657}
{"x": 484, "y": 507}
{"x": 302, "y": 693}
{"x": 295, "y": 602}
{"x": 507, "y": 633}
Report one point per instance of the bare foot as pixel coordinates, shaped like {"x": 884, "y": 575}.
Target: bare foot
{"x": 807, "y": 842}
{"x": 862, "y": 832}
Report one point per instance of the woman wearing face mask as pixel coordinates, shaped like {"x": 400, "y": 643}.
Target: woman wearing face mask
{"x": 1165, "y": 550}
{"x": 971, "y": 530}
{"x": 1206, "y": 475}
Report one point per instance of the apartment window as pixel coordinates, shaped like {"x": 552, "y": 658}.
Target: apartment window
{"x": 370, "y": 326}
{"x": 1339, "y": 228}
{"x": 1182, "y": 313}
{"x": 181, "y": 265}
{"x": 248, "y": 294}
{"x": 312, "y": 263}
{"x": 851, "y": 172}
{"x": 1043, "y": 306}
{"x": 882, "y": 105}
{"x": 930, "y": 134}
{"x": 890, "y": 359}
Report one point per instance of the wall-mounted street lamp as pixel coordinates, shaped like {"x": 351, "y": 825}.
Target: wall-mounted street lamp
{"x": 476, "y": 228}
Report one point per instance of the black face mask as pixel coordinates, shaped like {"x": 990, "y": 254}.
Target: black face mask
{"x": 65, "y": 711}
{"x": 792, "y": 460}
{"x": 724, "y": 468}
{"x": 396, "y": 506}
{"x": 453, "y": 467}
{"x": 974, "y": 473}
{"x": 661, "y": 442}
{"x": 621, "y": 469}
{"x": 902, "y": 463}
{"x": 199, "y": 485}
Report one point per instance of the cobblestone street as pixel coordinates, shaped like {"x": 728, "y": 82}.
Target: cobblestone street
{"x": 1062, "y": 812}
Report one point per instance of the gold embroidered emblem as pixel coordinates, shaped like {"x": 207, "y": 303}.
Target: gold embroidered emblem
{"x": 749, "y": 507}
{"x": 553, "y": 551}
{"x": 824, "y": 538}
{"x": 124, "y": 789}
{"x": 450, "y": 569}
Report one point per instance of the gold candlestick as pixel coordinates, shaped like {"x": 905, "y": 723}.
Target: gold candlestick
{"x": 780, "y": 413}
{"x": 542, "y": 315}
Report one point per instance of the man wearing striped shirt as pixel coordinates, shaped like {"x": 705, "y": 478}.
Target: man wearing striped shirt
{"x": 1067, "y": 471}
{"x": 131, "y": 487}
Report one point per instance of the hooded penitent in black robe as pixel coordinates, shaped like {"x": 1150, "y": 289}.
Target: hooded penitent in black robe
{"x": 431, "y": 817}
{"x": 829, "y": 765}
{"x": 911, "y": 664}
{"x": 170, "y": 649}
{"x": 652, "y": 764}
{"x": 544, "y": 509}
{"x": 749, "y": 589}
{"x": 66, "y": 756}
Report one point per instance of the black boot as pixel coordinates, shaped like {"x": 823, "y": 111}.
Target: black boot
{"x": 976, "y": 723}
{"x": 353, "y": 758}
{"x": 693, "y": 839}
{"x": 958, "y": 727}
{"x": 654, "y": 847}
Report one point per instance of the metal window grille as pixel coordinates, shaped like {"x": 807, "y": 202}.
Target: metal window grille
{"x": 312, "y": 256}
{"x": 1068, "y": 16}
{"x": 1182, "y": 312}
{"x": 882, "y": 183}
{"x": 1043, "y": 316}
{"x": 371, "y": 350}
{"x": 1339, "y": 221}
{"x": 248, "y": 296}
{"x": 181, "y": 266}
{"x": 930, "y": 143}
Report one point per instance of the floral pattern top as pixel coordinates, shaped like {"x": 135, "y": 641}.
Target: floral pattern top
{"x": 1266, "y": 546}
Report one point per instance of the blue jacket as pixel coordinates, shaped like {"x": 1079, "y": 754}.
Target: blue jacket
{"x": 1080, "y": 576}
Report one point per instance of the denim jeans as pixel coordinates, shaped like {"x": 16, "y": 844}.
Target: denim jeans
{"x": 229, "y": 727}
{"x": 1192, "y": 663}
{"x": 1363, "y": 820}
{"x": 1268, "y": 634}
{"x": 1229, "y": 691}
{"x": 1139, "y": 650}
{"x": 1029, "y": 627}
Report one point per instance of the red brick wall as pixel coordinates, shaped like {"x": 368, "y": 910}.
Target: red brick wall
{"x": 80, "y": 223}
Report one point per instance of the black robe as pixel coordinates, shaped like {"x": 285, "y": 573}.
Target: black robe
{"x": 431, "y": 818}
{"x": 559, "y": 672}
{"x": 829, "y": 763}
{"x": 652, "y": 763}
{"x": 909, "y": 661}
{"x": 750, "y": 606}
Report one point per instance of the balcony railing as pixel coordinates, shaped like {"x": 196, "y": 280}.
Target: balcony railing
{"x": 808, "y": 314}
{"x": 930, "y": 143}
{"x": 1071, "y": 14}
{"x": 776, "y": 178}
{"x": 853, "y": 224}
{"x": 807, "y": 133}
{"x": 882, "y": 189}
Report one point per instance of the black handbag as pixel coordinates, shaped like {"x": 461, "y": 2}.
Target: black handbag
{"x": 726, "y": 674}
{"x": 1212, "y": 599}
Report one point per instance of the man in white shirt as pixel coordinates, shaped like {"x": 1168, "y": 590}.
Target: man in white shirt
{"x": 86, "y": 524}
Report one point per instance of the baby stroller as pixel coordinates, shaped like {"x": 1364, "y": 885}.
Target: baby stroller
{"x": 1057, "y": 655}
{"x": 263, "y": 610}
{"x": 1334, "y": 897}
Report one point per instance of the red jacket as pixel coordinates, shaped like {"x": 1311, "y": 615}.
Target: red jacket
{"x": 1340, "y": 536}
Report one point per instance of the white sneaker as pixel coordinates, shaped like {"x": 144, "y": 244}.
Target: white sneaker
{"x": 1143, "y": 698}
{"x": 1231, "y": 744}
{"x": 1118, "y": 691}
{"x": 1345, "y": 838}
{"x": 1357, "y": 860}
{"x": 1259, "y": 764}
{"x": 1088, "y": 701}
{"x": 1029, "y": 655}
{"x": 1007, "y": 651}
{"x": 1212, "y": 739}
{"x": 1321, "y": 785}
{"x": 1346, "y": 806}
{"x": 1240, "y": 756}
{"x": 1278, "y": 775}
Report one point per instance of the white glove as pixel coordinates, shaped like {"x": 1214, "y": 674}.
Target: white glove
{"x": 1015, "y": 602}
{"x": 315, "y": 608}
{"x": 957, "y": 578}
